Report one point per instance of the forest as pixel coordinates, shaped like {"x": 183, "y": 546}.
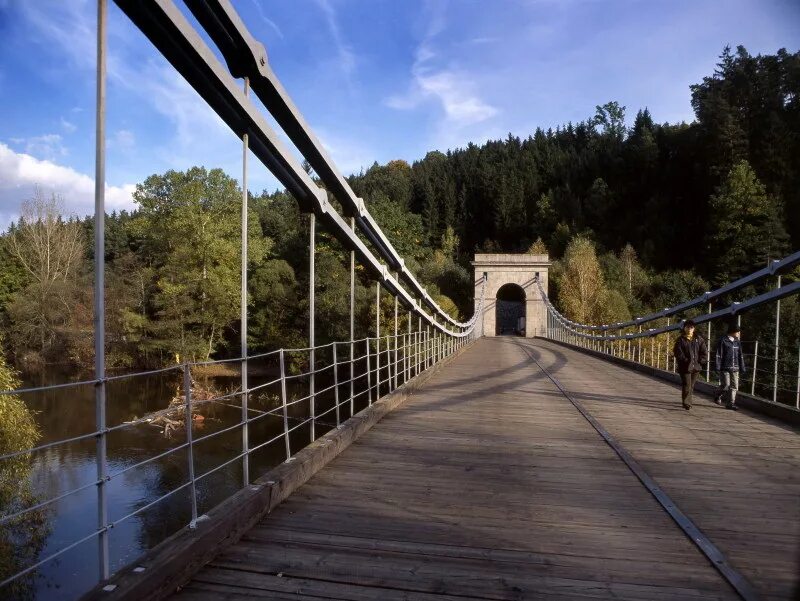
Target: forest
{"x": 656, "y": 212}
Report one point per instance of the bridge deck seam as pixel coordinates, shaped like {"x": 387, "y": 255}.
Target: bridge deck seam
{"x": 717, "y": 559}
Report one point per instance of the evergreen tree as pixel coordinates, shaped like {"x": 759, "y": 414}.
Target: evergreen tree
{"x": 745, "y": 229}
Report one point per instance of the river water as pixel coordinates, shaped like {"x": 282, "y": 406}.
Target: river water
{"x": 70, "y": 412}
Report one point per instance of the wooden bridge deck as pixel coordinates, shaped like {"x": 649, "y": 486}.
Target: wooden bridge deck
{"x": 489, "y": 484}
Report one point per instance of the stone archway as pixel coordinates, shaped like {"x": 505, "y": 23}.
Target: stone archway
{"x": 521, "y": 270}
{"x": 509, "y": 311}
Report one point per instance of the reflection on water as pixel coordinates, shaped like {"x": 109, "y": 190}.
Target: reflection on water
{"x": 70, "y": 412}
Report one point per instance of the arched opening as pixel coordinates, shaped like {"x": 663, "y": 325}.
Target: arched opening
{"x": 510, "y": 311}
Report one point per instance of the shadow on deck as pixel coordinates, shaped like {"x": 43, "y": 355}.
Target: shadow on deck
{"x": 489, "y": 484}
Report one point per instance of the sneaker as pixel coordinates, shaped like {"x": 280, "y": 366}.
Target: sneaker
{"x": 718, "y": 398}
{"x": 732, "y": 407}
{"x": 687, "y": 407}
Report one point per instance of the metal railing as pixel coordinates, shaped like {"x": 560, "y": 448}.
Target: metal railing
{"x": 355, "y": 372}
{"x": 653, "y": 346}
{"x": 360, "y": 371}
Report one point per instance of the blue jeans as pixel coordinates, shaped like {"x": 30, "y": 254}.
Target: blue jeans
{"x": 729, "y": 385}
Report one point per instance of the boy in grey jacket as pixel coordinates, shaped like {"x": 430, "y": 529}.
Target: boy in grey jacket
{"x": 730, "y": 365}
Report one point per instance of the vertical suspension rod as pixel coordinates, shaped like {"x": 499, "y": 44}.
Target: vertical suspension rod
{"x": 311, "y": 325}
{"x": 243, "y": 301}
{"x": 99, "y": 292}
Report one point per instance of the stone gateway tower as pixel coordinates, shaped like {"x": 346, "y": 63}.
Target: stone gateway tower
{"x": 512, "y": 303}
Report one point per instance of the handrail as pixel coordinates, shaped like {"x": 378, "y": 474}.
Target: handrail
{"x": 620, "y": 345}
{"x": 731, "y": 310}
{"x": 777, "y": 266}
{"x": 413, "y": 352}
{"x": 420, "y": 350}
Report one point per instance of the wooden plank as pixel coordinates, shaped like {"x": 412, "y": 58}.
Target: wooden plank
{"x": 736, "y": 475}
{"x": 172, "y": 563}
{"x": 489, "y": 485}
{"x": 488, "y": 579}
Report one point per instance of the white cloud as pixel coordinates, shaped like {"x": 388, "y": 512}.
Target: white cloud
{"x": 451, "y": 87}
{"x": 454, "y": 92}
{"x": 199, "y": 132}
{"x": 20, "y": 173}
{"x": 267, "y": 20}
{"x": 122, "y": 139}
{"x": 68, "y": 126}
{"x": 47, "y": 146}
{"x": 460, "y": 104}
{"x": 347, "y": 58}
{"x": 349, "y": 155}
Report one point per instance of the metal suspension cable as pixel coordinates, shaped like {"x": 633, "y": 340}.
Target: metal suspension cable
{"x": 247, "y": 58}
{"x": 774, "y": 268}
{"x": 172, "y": 34}
{"x": 733, "y": 309}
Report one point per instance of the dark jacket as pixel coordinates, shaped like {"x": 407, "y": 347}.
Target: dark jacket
{"x": 690, "y": 355}
{"x": 729, "y": 355}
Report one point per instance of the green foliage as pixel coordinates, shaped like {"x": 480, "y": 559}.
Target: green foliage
{"x": 12, "y": 279}
{"x": 611, "y": 118}
{"x": 668, "y": 208}
{"x": 188, "y": 224}
{"x": 745, "y": 229}
{"x": 275, "y": 299}
{"x": 404, "y": 229}
{"x": 670, "y": 288}
{"x": 22, "y": 538}
{"x": 393, "y": 181}
{"x": 612, "y": 307}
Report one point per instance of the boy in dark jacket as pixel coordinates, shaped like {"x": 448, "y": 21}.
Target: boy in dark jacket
{"x": 691, "y": 353}
{"x": 730, "y": 365}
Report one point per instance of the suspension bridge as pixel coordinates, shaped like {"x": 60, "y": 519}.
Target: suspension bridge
{"x": 433, "y": 458}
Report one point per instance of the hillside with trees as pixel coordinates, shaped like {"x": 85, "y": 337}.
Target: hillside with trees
{"x": 644, "y": 216}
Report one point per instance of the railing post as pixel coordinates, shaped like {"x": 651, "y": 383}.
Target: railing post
{"x": 777, "y": 338}
{"x": 427, "y": 346}
{"x": 336, "y": 385}
{"x": 407, "y": 348}
{"x": 312, "y": 249}
{"x": 666, "y": 349}
{"x": 388, "y": 363}
{"x": 243, "y": 311}
{"x": 639, "y": 358}
{"x": 396, "y": 338}
{"x": 797, "y": 395}
{"x": 377, "y": 340}
{"x": 708, "y": 341}
{"x": 419, "y": 345}
{"x": 285, "y": 407}
{"x": 369, "y": 380}
{"x": 755, "y": 366}
{"x": 99, "y": 293}
{"x": 187, "y": 398}
{"x": 352, "y": 317}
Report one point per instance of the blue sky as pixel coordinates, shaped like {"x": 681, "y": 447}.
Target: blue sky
{"x": 376, "y": 79}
